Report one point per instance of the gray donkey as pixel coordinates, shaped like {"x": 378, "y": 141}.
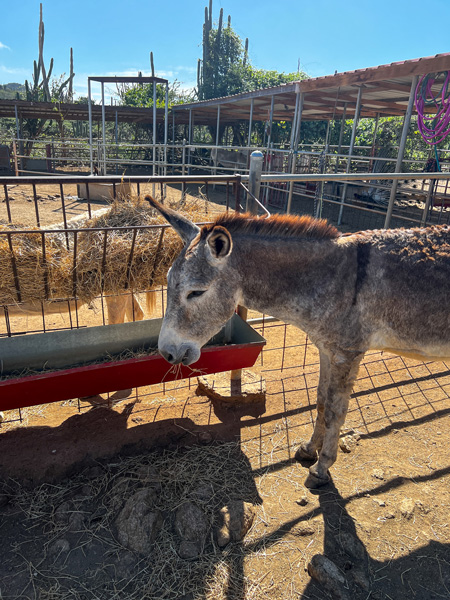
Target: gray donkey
{"x": 384, "y": 289}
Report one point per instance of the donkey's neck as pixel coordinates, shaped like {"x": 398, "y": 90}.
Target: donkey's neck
{"x": 288, "y": 278}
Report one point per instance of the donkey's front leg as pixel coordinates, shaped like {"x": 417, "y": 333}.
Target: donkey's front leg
{"x": 309, "y": 450}
{"x": 342, "y": 375}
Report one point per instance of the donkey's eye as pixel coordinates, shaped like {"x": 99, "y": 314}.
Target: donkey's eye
{"x": 195, "y": 294}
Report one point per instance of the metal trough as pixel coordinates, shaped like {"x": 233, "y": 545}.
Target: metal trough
{"x": 236, "y": 346}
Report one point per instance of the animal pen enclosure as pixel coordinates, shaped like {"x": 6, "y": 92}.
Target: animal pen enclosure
{"x": 368, "y": 519}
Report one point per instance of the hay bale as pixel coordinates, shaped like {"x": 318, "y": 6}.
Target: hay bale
{"x": 96, "y": 271}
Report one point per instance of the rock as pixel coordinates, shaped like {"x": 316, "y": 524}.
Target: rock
{"x": 407, "y": 507}
{"x": 192, "y": 526}
{"x": 378, "y": 474}
{"x": 138, "y": 522}
{"x": 235, "y": 520}
{"x": 323, "y": 570}
{"x": 62, "y": 513}
{"x": 348, "y": 443}
{"x": 389, "y": 515}
{"x": 303, "y": 501}
{"x": 204, "y": 493}
{"x": 76, "y": 521}
{"x": 302, "y": 530}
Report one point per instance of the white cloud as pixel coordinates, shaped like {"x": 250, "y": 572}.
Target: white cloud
{"x": 4, "y": 47}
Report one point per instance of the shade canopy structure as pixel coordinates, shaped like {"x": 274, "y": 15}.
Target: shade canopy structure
{"x": 385, "y": 92}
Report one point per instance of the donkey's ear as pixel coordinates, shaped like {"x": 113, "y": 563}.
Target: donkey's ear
{"x": 185, "y": 228}
{"x": 219, "y": 242}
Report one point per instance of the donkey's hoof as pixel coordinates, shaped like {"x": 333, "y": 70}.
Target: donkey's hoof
{"x": 303, "y": 454}
{"x": 314, "y": 481}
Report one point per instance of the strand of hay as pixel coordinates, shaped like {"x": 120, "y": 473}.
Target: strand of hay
{"x": 95, "y": 272}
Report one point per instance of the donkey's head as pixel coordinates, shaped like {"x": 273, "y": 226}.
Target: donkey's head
{"x": 201, "y": 293}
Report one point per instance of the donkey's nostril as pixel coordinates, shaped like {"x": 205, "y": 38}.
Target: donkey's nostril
{"x": 169, "y": 357}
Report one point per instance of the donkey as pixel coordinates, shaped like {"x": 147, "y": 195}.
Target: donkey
{"x": 384, "y": 289}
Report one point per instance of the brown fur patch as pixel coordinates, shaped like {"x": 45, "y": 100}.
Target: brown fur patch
{"x": 276, "y": 226}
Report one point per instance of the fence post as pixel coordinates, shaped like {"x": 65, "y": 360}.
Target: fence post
{"x": 254, "y": 181}
{"x": 256, "y": 162}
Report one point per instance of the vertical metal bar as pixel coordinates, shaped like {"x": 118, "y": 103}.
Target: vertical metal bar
{"x": 189, "y": 141}
{"x": 138, "y": 189}
{"x": 103, "y": 268}
{"x": 250, "y": 123}
{"x": 91, "y": 150}
{"x": 117, "y": 141}
{"x": 272, "y": 102}
{"x": 228, "y": 195}
{"x": 103, "y": 128}
{"x": 114, "y": 191}
{"x": 427, "y": 203}
{"x": 166, "y": 127}
{"x": 154, "y": 127}
{"x": 401, "y": 150}
{"x": 183, "y": 159}
{"x": 237, "y": 192}
{"x": 44, "y": 265}
{"x": 8, "y": 208}
{"x": 350, "y": 151}
{"x": 374, "y": 139}
{"x": 295, "y": 135}
{"x": 63, "y": 207}
{"x": 36, "y": 208}
{"x": 217, "y": 142}
{"x": 130, "y": 259}
{"x": 173, "y": 140}
{"x": 88, "y": 200}
{"x": 19, "y": 141}
{"x": 14, "y": 268}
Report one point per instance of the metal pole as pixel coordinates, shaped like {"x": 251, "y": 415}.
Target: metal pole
{"x": 189, "y": 141}
{"x": 183, "y": 159}
{"x": 295, "y": 136}
{"x": 117, "y": 140}
{"x": 377, "y": 120}
{"x": 217, "y": 141}
{"x": 250, "y": 123}
{"x": 166, "y": 127}
{"x": 154, "y": 133}
{"x": 427, "y": 202}
{"x": 173, "y": 141}
{"x": 19, "y": 141}
{"x": 401, "y": 150}
{"x": 254, "y": 180}
{"x": 103, "y": 128}
{"x": 91, "y": 150}
{"x": 270, "y": 121}
{"x": 350, "y": 152}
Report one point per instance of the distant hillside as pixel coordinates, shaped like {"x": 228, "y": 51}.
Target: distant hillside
{"x": 8, "y": 91}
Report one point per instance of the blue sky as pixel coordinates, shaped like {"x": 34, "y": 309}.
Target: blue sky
{"x": 112, "y": 37}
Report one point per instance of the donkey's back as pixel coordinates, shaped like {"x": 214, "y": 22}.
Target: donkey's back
{"x": 404, "y": 279}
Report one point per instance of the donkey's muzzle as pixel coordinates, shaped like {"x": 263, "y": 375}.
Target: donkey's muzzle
{"x": 184, "y": 355}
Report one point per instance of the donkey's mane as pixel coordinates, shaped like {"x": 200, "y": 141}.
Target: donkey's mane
{"x": 276, "y": 226}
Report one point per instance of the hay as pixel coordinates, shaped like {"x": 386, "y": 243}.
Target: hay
{"x": 56, "y": 275}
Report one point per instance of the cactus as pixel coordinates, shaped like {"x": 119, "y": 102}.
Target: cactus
{"x": 40, "y": 90}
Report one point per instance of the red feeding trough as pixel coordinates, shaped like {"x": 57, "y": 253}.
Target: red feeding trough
{"x": 58, "y": 361}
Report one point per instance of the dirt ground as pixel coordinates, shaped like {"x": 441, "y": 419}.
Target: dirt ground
{"x": 68, "y": 470}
